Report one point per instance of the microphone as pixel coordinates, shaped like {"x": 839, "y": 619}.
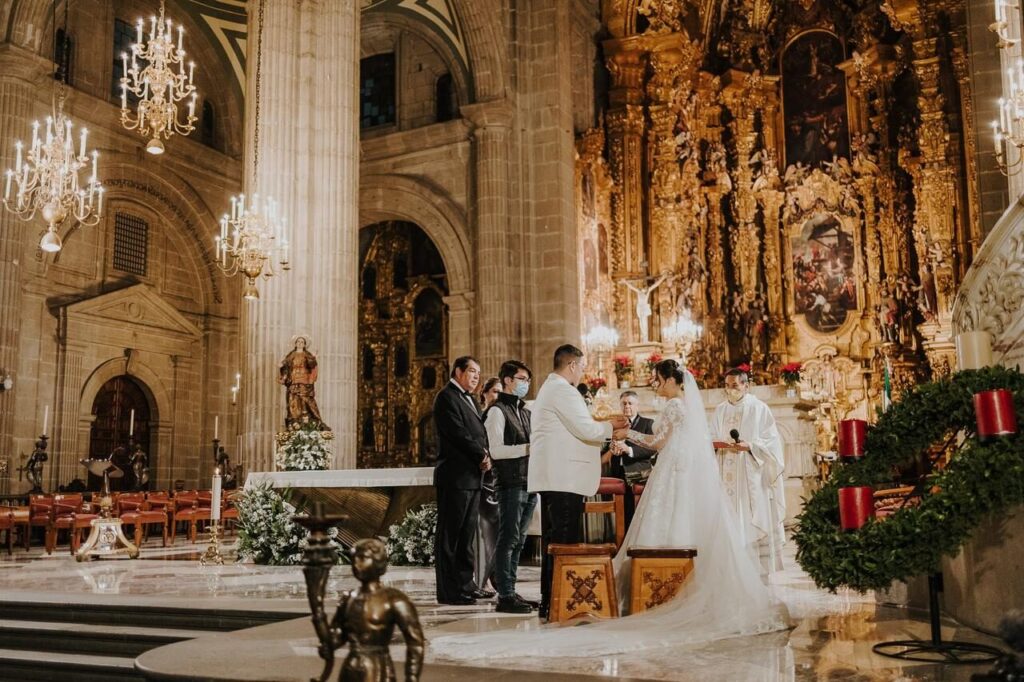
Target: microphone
{"x": 735, "y": 435}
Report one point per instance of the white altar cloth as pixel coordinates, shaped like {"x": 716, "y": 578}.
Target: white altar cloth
{"x": 345, "y": 478}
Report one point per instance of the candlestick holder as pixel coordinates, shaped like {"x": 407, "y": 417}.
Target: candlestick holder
{"x": 212, "y": 554}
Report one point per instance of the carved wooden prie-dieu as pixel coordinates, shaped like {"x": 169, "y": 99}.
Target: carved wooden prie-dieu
{"x": 804, "y": 181}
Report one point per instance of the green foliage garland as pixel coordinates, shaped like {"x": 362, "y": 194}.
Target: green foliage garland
{"x": 980, "y": 479}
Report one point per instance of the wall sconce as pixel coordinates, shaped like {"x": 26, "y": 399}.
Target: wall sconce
{"x": 6, "y": 383}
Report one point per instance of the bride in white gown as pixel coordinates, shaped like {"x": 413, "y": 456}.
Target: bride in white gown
{"x": 683, "y": 505}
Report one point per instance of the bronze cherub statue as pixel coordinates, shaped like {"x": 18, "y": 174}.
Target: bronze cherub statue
{"x": 366, "y": 616}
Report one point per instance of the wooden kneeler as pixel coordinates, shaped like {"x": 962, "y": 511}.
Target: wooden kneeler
{"x": 657, "y": 574}
{"x": 582, "y": 582}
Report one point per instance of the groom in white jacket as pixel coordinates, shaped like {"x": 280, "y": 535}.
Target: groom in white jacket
{"x": 565, "y": 457}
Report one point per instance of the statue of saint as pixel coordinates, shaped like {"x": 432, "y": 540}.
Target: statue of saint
{"x": 366, "y": 619}
{"x": 140, "y": 467}
{"x": 298, "y": 373}
{"x": 34, "y": 467}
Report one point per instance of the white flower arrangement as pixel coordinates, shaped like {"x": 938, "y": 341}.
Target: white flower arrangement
{"x": 303, "y": 450}
{"x": 411, "y": 542}
{"x": 266, "y": 532}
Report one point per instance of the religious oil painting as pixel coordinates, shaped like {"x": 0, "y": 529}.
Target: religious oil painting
{"x": 824, "y": 285}
{"x": 429, "y": 321}
{"x": 814, "y": 100}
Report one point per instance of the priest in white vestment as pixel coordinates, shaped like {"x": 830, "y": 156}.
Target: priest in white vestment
{"x": 750, "y": 457}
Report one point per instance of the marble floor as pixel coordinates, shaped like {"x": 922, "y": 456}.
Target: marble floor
{"x": 831, "y": 640}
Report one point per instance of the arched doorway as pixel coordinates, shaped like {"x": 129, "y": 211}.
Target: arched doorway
{"x": 122, "y": 418}
{"x": 403, "y": 341}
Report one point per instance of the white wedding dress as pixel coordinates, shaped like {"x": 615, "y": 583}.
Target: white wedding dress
{"x": 683, "y": 505}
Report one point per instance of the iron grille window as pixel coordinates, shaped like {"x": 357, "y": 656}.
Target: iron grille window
{"x": 131, "y": 242}
{"x": 377, "y": 90}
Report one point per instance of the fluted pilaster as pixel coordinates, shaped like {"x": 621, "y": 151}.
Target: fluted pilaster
{"x": 308, "y": 160}
{"x": 16, "y": 97}
{"x": 492, "y": 122}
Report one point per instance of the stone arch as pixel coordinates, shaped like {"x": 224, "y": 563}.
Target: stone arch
{"x": 397, "y": 197}
{"x": 183, "y": 209}
{"x": 480, "y": 21}
{"x": 160, "y": 406}
{"x": 377, "y": 20}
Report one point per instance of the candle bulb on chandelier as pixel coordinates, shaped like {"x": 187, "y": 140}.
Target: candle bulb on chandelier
{"x": 138, "y": 34}
{"x": 49, "y": 129}
{"x": 7, "y": 184}
{"x": 216, "y": 427}
{"x": 17, "y": 148}
{"x": 181, "y": 33}
{"x": 191, "y": 70}
{"x": 81, "y": 146}
{"x": 131, "y": 424}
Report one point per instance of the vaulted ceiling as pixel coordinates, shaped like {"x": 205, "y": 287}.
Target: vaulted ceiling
{"x": 224, "y": 22}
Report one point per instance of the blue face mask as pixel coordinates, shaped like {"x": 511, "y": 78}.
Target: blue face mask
{"x": 521, "y": 389}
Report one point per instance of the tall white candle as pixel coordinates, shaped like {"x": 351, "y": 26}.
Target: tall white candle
{"x": 46, "y": 418}
{"x": 131, "y": 424}
{"x": 7, "y": 184}
{"x": 215, "y": 498}
{"x": 974, "y": 350}
{"x": 216, "y": 427}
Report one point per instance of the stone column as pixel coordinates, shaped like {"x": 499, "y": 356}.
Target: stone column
{"x": 16, "y": 98}
{"x": 460, "y": 323}
{"x": 492, "y": 123}
{"x": 308, "y": 161}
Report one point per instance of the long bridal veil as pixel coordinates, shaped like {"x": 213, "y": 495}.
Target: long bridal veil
{"x": 683, "y": 505}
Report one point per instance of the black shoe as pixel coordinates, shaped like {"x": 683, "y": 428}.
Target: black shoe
{"x": 529, "y": 602}
{"x": 481, "y": 594}
{"x": 461, "y": 600}
{"x": 512, "y": 605}
{"x": 542, "y": 612}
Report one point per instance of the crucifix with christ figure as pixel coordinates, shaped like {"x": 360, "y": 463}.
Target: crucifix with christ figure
{"x": 643, "y": 301}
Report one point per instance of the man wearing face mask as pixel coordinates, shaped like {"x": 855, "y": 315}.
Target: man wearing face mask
{"x": 752, "y": 465}
{"x": 508, "y": 432}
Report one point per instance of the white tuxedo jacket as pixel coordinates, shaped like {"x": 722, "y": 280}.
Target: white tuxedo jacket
{"x": 565, "y": 441}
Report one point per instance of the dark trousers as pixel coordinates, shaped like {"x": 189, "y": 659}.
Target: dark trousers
{"x": 616, "y": 470}
{"x": 457, "y": 515}
{"x": 515, "y": 507}
{"x": 561, "y": 522}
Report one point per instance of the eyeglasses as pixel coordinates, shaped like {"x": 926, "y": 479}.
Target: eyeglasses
{"x": 526, "y": 379}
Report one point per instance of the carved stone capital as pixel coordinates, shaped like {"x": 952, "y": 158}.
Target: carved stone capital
{"x": 497, "y": 113}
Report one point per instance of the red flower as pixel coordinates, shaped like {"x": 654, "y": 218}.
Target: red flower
{"x": 622, "y": 363}
{"x": 792, "y": 367}
{"x": 596, "y": 384}
{"x": 745, "y": 367}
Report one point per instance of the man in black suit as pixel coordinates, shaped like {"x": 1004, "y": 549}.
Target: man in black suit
{"x": 461, "y": 460}
{"x": 618, "y": 454}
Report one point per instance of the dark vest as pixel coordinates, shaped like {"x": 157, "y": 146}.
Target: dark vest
{"x": 511, "y": 473}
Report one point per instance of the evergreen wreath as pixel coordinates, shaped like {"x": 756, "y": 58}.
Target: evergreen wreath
{"x": 979, "y": 480}
{"x": 304, "y": 449}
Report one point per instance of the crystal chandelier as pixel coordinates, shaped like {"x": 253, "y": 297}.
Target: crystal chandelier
{"x": 47, "y": 178}
{"x": 682, "y": 333}
{"x": 253, "y": 237}
{"x": 156, "y": 85}
{"x": 1008, "y": 131}
{"x": 1001, "y": 25}
{"x": 601, "y": 339}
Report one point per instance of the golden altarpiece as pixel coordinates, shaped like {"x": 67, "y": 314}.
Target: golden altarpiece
{"x": 801, "y": 171}
{"x": 403, "y": 340}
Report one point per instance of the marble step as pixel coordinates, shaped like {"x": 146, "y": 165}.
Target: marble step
{"x": 218, "y": 620}
{"x": 106, "y": 640}
{"x": 22, "y": 666}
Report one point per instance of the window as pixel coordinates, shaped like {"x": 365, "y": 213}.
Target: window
{"x": 124, "y": 38}
{"x": 208, "y": 125}
{"x": 131, "y": 243}
{"x": 445, "y": 102}
{"x": 377, "y": 90}
{"x": 62, "y": 54}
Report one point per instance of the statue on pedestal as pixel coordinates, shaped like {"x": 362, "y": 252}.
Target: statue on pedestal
{"x": 298, "y": 373}
{"x": 140, "y": 467}
{"x": 366, "y": 617}
{"x": 33, "y": 468}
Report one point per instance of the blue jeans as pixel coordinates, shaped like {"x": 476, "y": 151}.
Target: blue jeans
{"x": 515, "y": 510}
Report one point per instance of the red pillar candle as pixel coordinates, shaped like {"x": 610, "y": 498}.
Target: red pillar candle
{"x": 851, "y": 437}
{"x": 856, "y": 506}
{"x": 994, "y": 413}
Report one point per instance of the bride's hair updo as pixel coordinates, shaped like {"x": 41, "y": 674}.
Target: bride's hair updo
{"x": 670, "y": 369}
